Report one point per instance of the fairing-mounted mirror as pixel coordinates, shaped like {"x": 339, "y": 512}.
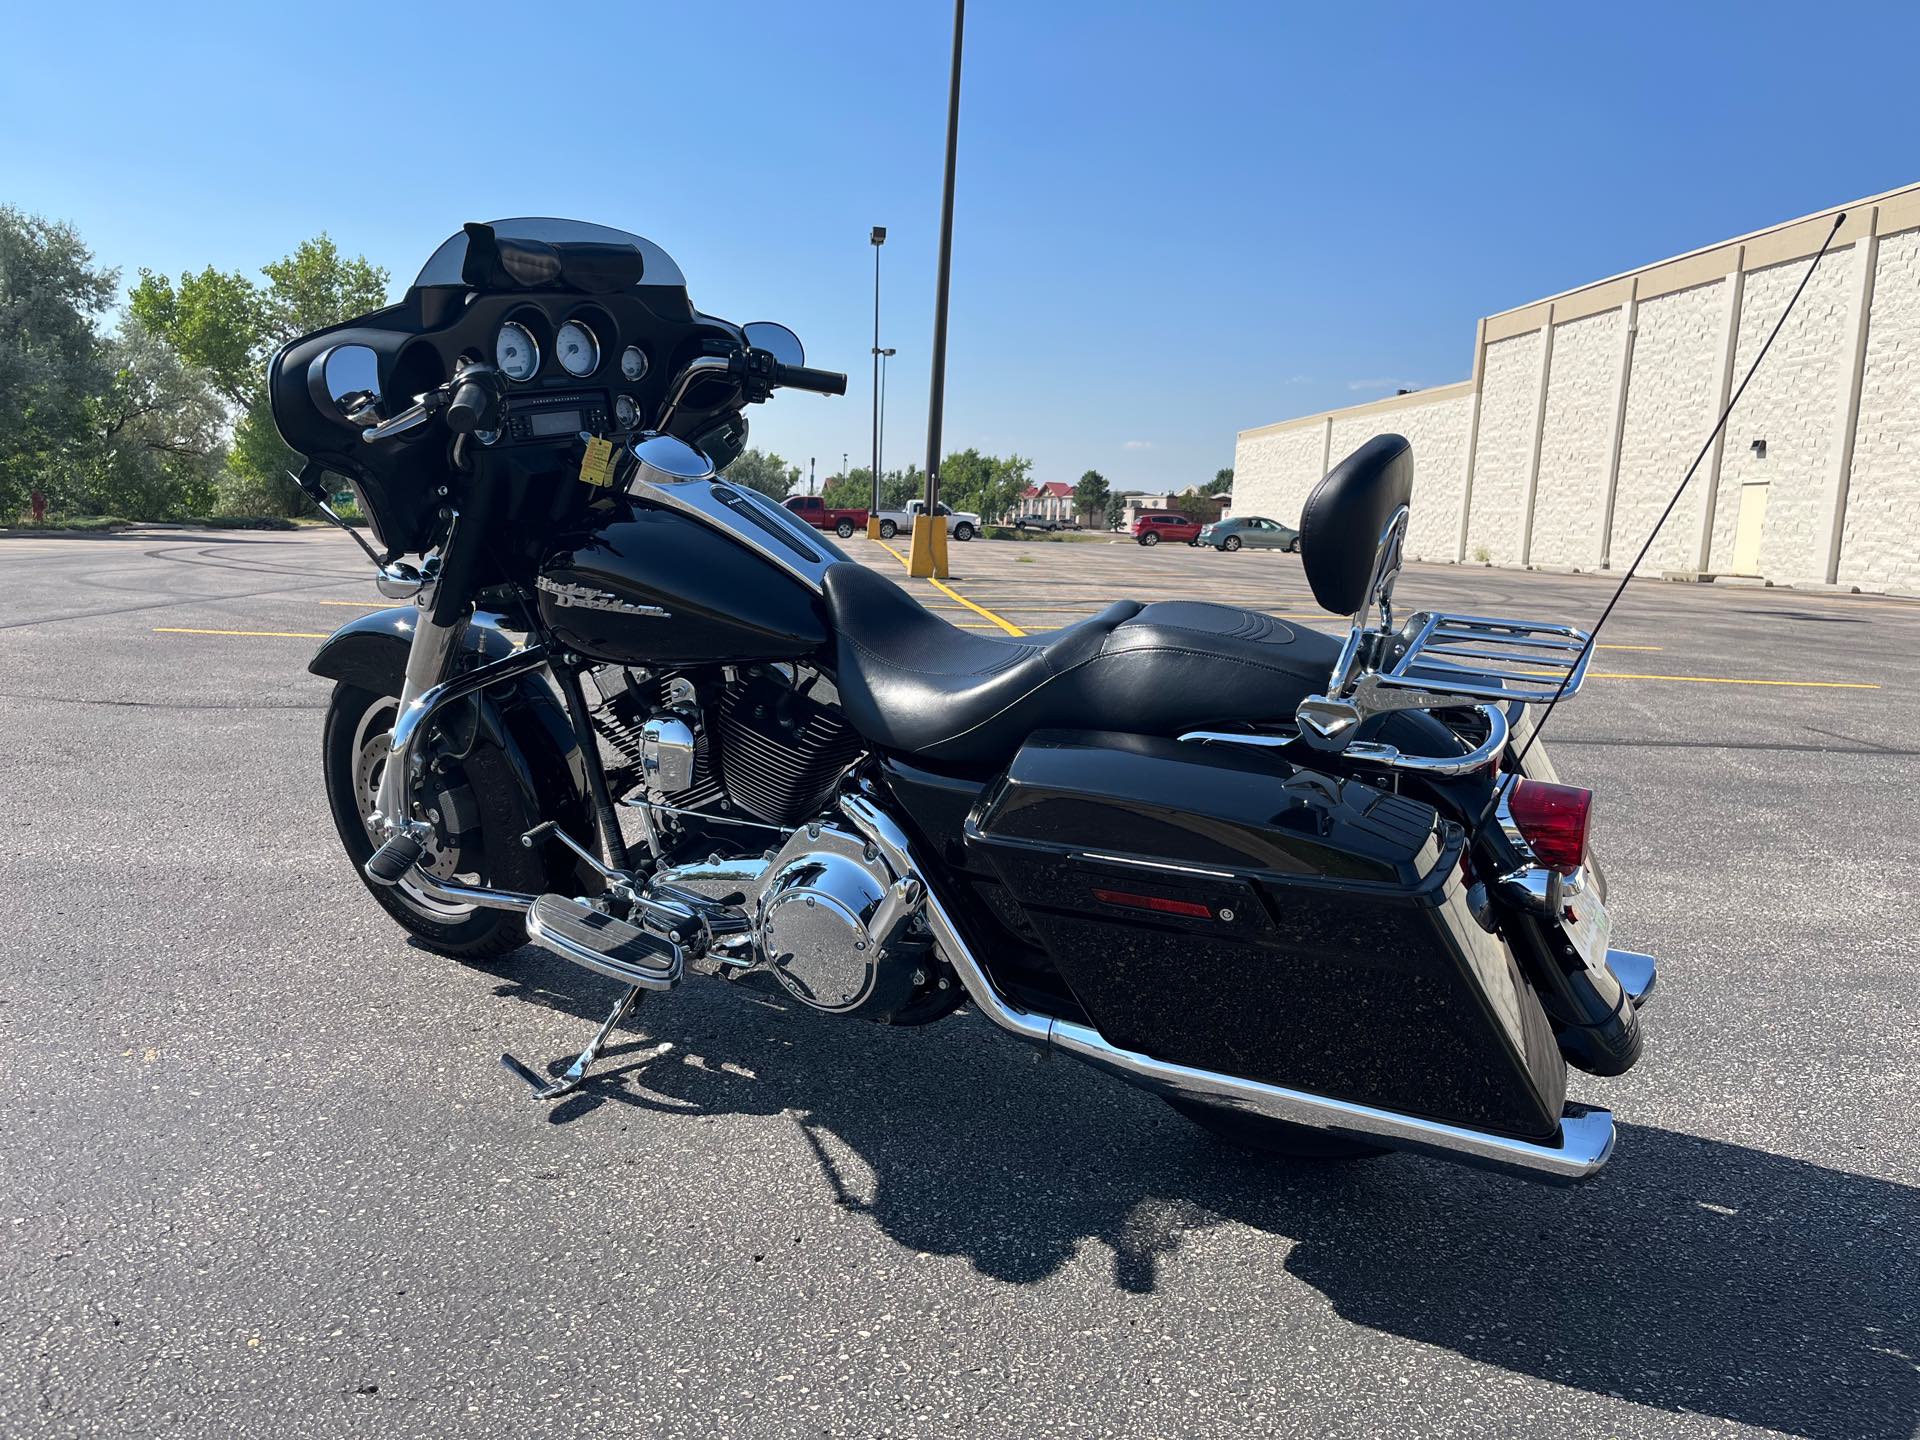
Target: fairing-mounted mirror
{"x": 344, "y": 382}
{"x": 1352, "y": 533}
{"x": 777, "y": 340}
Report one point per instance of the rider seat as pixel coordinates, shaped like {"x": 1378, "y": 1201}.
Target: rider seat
{"x": 910, "y": 681}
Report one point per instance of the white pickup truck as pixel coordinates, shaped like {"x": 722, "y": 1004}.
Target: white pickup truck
{"x": 962, "y": 525}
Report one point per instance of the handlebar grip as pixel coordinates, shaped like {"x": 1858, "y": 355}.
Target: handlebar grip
{"x": 466, "y": 412}
{"x": 821, "y": 382}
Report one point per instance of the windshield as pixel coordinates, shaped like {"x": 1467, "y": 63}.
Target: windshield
{"x": 444, "y": 265}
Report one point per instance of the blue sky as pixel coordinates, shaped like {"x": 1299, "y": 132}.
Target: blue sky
{"x": 1174, "y": 220}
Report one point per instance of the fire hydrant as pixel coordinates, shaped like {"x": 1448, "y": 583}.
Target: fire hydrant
{"x": 39, "y": 507}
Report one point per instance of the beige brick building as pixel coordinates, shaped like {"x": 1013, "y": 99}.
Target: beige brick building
{"x": 1584, "y": 410}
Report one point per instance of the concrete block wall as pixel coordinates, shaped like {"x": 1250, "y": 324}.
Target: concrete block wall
{"x": 1503, "y": 458}
{"x": 1584, "y": 412}
{"x": 1576, "y": 439}
{"x": 1880, "y": 547}
{"x": 1672, "y": 398}
{"x": 1275, "y": 467}
{"x": 1794, "y": 404}
{"x": 1437, "y": 430}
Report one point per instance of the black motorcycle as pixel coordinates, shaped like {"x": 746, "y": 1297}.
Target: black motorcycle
{"x": 1322, "y": 896}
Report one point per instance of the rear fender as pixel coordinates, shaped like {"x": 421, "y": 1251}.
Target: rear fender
{"x": 523, "y": 717}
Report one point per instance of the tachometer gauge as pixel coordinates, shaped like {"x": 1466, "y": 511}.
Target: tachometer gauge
{"x": 626, "y": 414}
{"x": 516, "y": 352}
{"x": 579, "y": 352}
{"x": 633, "y": 363}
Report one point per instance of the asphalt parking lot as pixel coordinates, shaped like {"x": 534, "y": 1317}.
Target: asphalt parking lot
{"x": 262, "y": 1173}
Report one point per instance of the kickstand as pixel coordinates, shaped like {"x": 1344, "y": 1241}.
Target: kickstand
{"x": 544, "y": 1089}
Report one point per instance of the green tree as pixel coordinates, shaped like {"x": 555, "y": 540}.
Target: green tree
{"x": 1090, "y": 495}
{"x": 229, "y": 326}
{"x": 155, "y": 443}
{"x": 1116, "y": 510}
{"x": 1221, "y": 483}
{"x": 765, "y": 472}
{"x": 51, "y": 361}
{"x": 985, "y": 484}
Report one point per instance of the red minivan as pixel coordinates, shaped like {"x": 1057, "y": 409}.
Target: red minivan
{"x": 1157, "y": 525}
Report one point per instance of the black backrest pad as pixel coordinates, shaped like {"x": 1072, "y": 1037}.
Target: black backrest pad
{"x": 1341, "y": 524}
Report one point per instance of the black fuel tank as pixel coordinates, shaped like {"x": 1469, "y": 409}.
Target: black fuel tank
{"x": 656, "y": 587}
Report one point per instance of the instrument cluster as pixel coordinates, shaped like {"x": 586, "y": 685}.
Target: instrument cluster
{"x": 584, "y": 347}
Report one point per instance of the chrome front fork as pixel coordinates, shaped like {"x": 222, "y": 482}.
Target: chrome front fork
{"x": 429, "y": 660}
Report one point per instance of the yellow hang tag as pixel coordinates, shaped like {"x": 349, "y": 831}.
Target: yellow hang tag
{"x": 596, "y": 466}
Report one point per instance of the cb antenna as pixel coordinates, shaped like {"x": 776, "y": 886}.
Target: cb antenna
{"x": 1685, "y": 480}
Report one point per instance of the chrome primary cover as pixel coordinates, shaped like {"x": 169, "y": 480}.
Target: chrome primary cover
{"x": 827, "y": 911}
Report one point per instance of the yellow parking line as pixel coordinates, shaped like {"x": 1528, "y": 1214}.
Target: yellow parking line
{"x": 265, "y": 634}
{"x": 1731, "y": 680}
{"x": 1004, "y": 624}
{"x": 952, "y": 594}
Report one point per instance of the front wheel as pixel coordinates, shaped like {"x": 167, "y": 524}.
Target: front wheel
{"x": 1274, "y": 1139}
{"x": 458, "y": 799}
{"x": 888, "y": 529}
{"x": 963, "y": 532}
{"x": 844, "y": 529}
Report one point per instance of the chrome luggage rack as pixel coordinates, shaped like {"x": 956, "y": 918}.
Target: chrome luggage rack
{"x": 1434, "y": 662}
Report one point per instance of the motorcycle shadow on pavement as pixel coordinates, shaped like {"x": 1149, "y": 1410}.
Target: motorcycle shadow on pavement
{"x": 1693, "y": 1275}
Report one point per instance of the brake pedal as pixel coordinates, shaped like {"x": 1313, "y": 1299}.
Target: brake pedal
{"x": 608, "y": 946}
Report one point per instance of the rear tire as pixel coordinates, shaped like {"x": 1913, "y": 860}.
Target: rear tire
{"x": 888, "y": 529}
{"x": 844, "y": 529}
{"x": 963, "y": 532}
{"x": 1293, "y": 546}
{"x": 352, "y": 750}
{"x": 1232, "y": 542}
{"x": 1274, "y": 1139}
{"x": 1149, "y": 538}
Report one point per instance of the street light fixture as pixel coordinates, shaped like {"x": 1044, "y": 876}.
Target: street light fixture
{"x": 877, "y": 238}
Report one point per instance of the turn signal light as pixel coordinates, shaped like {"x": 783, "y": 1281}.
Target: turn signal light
{"x": 1553, "y": 821}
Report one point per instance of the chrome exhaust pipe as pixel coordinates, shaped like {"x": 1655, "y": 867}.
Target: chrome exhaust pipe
{"x": 1583, "y": 1145}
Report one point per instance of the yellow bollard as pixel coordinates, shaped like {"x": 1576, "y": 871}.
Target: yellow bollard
{"x": 873, "y": 527}
{"x": 920, "y": 556}
{"x": 940, "y": 570}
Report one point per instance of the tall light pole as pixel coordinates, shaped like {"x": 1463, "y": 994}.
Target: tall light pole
{"x": 876, "y": 239}
{"x": 938, "y": 389}
{"x": 880, "y": 442}
{"x": 810, "y": 489}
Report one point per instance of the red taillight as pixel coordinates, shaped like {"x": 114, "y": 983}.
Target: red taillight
{"x": 1553, "y": 820}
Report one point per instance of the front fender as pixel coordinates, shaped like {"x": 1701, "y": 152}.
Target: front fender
{"x": 523, "y": 716}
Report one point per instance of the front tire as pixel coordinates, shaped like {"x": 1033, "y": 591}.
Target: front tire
{"x": 353, "y": 746}
{"x": 963, "y": 532}
{"x": 1272, "y": 1139}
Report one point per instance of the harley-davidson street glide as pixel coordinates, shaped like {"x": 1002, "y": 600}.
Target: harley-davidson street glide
{"x": 1319, "y": 895}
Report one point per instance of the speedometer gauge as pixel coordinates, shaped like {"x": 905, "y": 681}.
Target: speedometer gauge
{"x": 516, "y": 352}
{"x": 579, "y": 352}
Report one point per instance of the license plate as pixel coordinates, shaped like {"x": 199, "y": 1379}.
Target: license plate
{"x": 1587, "y": 925}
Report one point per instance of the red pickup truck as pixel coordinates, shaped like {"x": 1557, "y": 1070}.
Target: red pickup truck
{"x": 822, "y": 516}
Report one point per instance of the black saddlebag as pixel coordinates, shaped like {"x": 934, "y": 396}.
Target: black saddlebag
{"x": 1218, "y": 907}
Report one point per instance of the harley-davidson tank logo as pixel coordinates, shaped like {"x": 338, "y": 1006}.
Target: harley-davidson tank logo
{"x": 585, "y": 597}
